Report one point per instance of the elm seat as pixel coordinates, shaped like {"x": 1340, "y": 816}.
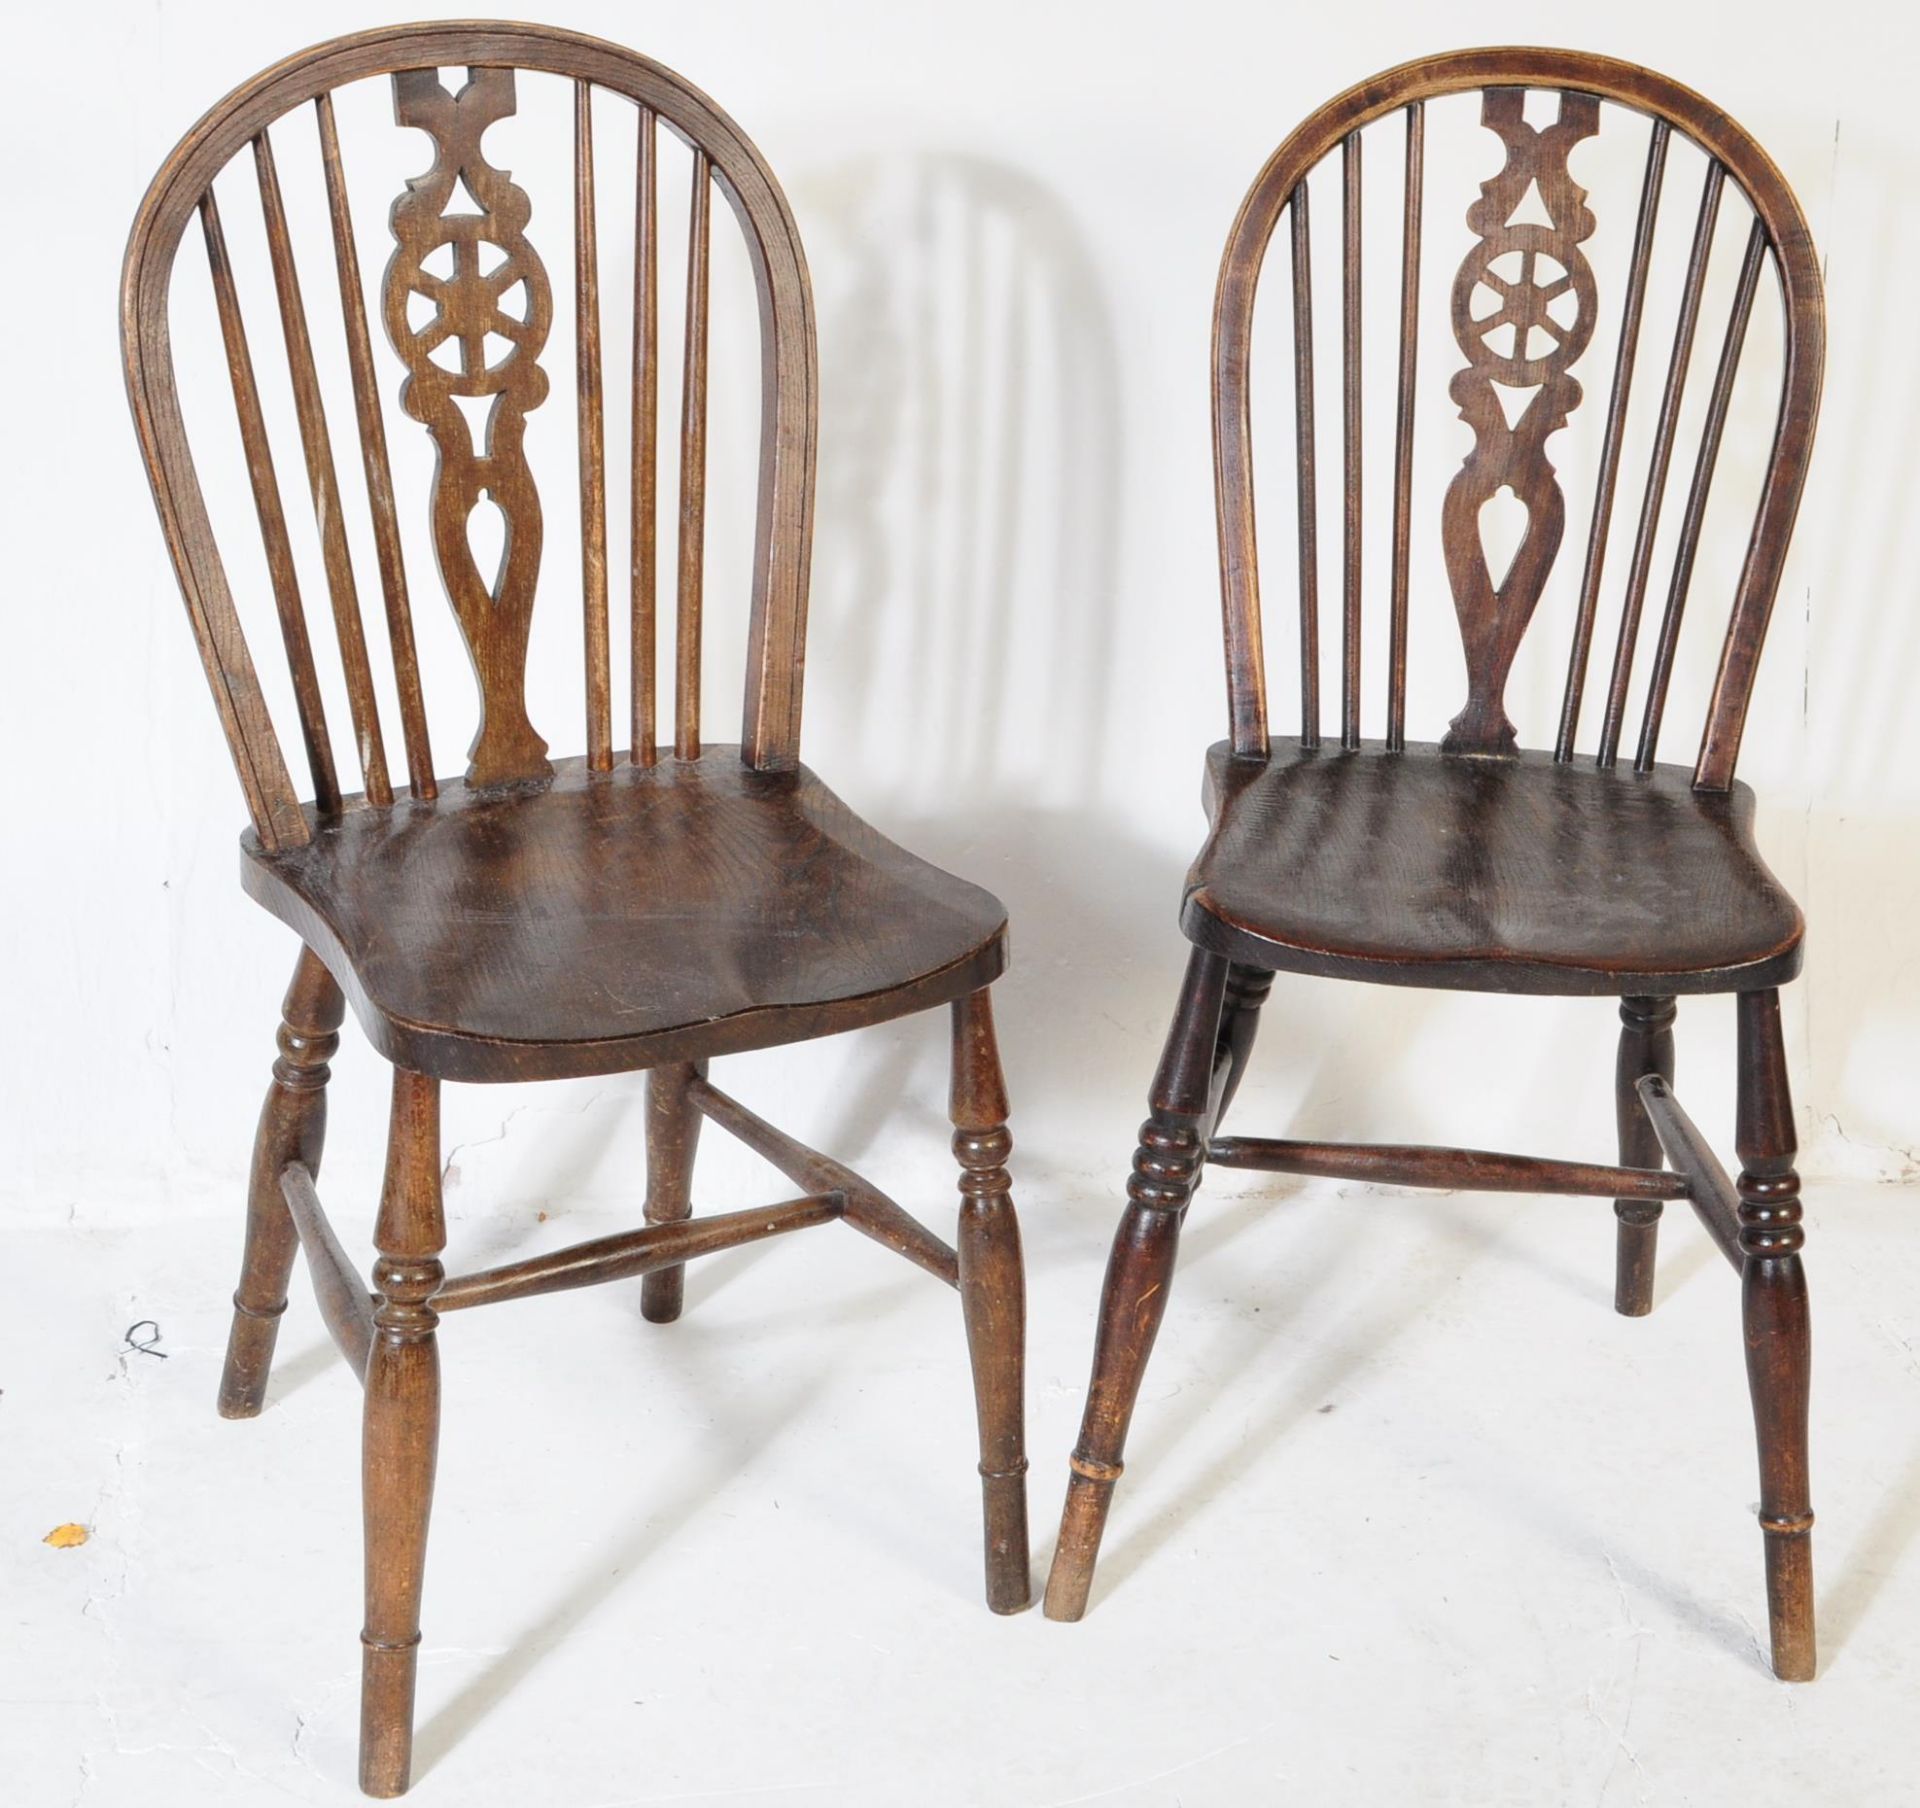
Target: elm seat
{"x": 600, "y": 923}
{"x": 1504, "y": 875}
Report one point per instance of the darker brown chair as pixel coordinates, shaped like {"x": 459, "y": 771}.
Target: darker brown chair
{"x": 1473, "y": 865}
{"x": 640, "y": 908}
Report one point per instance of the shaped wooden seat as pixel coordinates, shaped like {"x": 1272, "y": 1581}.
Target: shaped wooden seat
{"x": 1474, "y": 864}
{"x": 641, "y": 906}
{"x": 1517, "y": 875}
{"x": 608, "y": 921}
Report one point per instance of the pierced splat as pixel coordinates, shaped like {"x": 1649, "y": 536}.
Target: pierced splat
{"x": 1523, "y": 311}
{"x": 472, "y": 355}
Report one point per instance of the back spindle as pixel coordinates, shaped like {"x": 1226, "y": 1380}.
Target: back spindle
{"x": 1403, "y": 427}
{"x": 1350, "y": 328}
{"x": 1696, "y": 508}
{"x": 592, "y": 432}
{"x": 323, "y": 482}
{"x": 1697, "y": 259}
{"x": 1611, "y": 440}
{"x": 373, "y": 458}
{"x": 267, "y": 506}
{"x": 646, "y": 441}
{"x": 1305, "y": 487}
{"x": 693, "y": 476}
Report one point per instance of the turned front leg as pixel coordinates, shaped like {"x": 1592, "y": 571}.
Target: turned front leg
{"x": 673, "y": 1136}
{"x": 1646, "y": 1047}
{"x": 401, "y": 1431}
{"x": 993, "y": 1297}
{"x": 293, "y": 1127}
{"x": 1166, "y": 1169}
{"x": 1774, "y": 1310}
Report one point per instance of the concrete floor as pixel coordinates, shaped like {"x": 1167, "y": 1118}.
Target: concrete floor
{"x": 1412, "y": 1517}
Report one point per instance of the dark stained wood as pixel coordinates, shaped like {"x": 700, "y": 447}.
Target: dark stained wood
{"x": 1350, "y": 441}
{"x": 1632, "y": 311}
{"x": 293, "y": 1127}
{"x": 1694, "y": 516}
{"x": 1792, "y": 254}
{"x": 1487, "y": 874}
{"x": 1711, "y": 1194}
{"x": 643, "y": 564}
{"x": 631, "y": 1253}
{"x": 673, "y": 1139}
{"x": 862, "y": 1205}
{"x": 401, "y": 1436}
{"x": 1646, "y": 1047}
{"x": 1246, "y": 996}
{"x": 693, "y": 474}
{"x": 1166, "y": 1170}
{"x": 324, "y": 484}
{"x": 346, "y": 1307}
{"x": 1479, "y": 865}
{"x": 1248, "y": 679}
{"x": 495, "y": 614}
{"x": 992, "y": 1296}
{"x": 605, "y": 923}
{"x": 1469, "y": 1170}
{"x": 374, "y": 460}
{"x": 544, "y": 918}
{"x": 1662, "y": 457}
{"x": 591, "y": 416}
{"x": 273, "y": 521}
{"x": 1494, "y": 616}
{"x": 1774, "y": 1310}
{"x": 1403, "y": 424}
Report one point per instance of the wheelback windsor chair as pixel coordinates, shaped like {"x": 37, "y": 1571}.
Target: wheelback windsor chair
{"x": 638, "y": 908}
{"x": 1472, "y": 865}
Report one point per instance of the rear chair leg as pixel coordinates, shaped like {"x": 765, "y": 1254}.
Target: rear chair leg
{"x": 401, "y": 1433}
{"x": 673, "y": 1136}
{"x": 1166, "y": 1169}
{"x": 1646, "y": 1047}
{"x": 1247, "y": 989}
{"x": 992, "y": 1297}
{"x": 293, "y": 1127}
{"x": 1774, "y": 1308}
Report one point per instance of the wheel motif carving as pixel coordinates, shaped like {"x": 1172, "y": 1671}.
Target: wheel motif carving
{"x": 1539, "y": 322}
{"x": 475, "y": 345}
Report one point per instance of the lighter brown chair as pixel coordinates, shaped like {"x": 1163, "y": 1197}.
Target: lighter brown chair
{"x": 641, "y": 907}
{"x": 1470, "y": 864}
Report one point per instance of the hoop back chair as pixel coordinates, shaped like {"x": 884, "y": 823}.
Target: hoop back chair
{"x": 641, "y": 907}
{"x": 1471, "y": 864}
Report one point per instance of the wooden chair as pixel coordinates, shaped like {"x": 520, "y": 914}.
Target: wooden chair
{"x": 1472, "y": 865}
{"x": 643, "y": 907}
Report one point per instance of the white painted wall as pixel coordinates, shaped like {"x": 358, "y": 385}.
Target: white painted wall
{"x": 1014, "y": 215}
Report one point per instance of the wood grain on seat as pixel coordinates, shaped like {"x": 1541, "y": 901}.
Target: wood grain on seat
{"x": 1499, "y": 875}
{"x": 610, "y": 921}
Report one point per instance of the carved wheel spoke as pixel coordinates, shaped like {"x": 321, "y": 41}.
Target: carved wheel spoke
{"x": 1492, "y": 620}
{"x": 495, "y": 613}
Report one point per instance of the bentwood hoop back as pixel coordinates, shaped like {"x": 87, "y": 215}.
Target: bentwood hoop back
{"x": 642, "y": 906}
{"x": 1472, "y": 864}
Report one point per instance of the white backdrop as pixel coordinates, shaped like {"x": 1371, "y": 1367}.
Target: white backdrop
{"x": 1013, "y": 215}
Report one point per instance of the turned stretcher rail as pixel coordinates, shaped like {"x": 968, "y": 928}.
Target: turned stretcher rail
{"x": 631, "y": 1253}
{"x": 1472, "y": 1170}
{"x": 346, "y": 1305}
{"x": 864, "y": 1206}
{"x": 1712, "y": 1194}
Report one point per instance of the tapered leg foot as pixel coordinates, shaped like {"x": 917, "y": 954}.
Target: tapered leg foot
{"x": 1166, "y": 1169}
{"x": 1646, "y": 1046}
{"x": 401, "y": 1433}
{"x": 293, "y": 1127}
{"x": 1779, "y": 1347}
{"x": 993, "y": 1298}
{"x": 673, "y": 1137}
